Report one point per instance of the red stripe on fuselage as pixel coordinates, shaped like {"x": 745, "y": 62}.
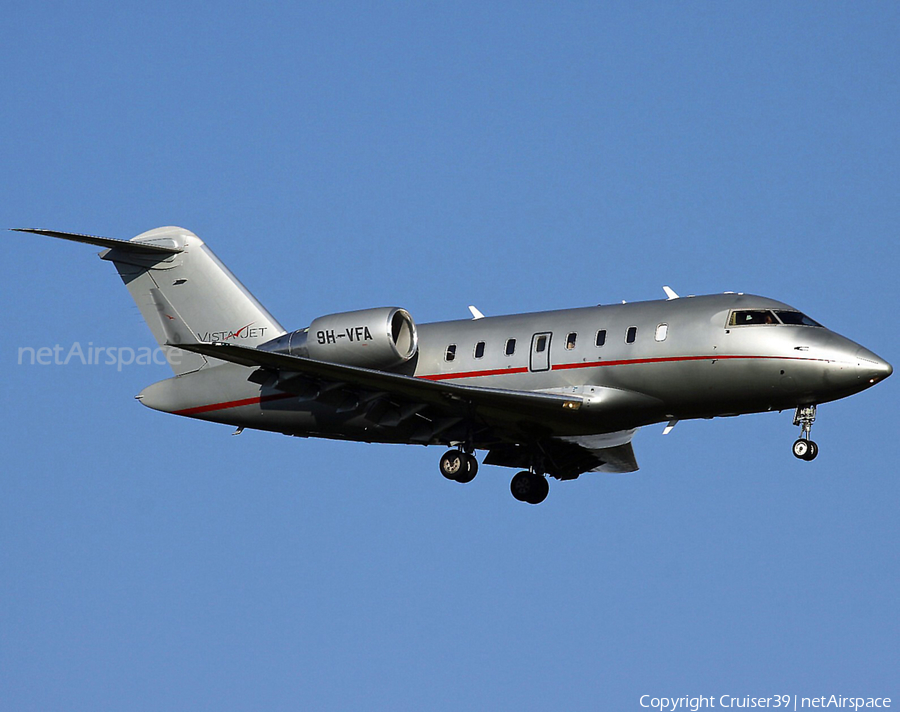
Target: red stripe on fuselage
{"x": 473, "y": 374}
{"x": 597, "y": 364}
{"x": 233, "y": 404}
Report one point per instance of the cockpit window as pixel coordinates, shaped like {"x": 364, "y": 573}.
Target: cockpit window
{"x": 747, "y": 317}
{"x": 796, "y": 318}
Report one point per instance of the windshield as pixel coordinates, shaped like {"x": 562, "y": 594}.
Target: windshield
{"x": 796, "y": 318}
{"x": 746, "y": 317}
{"x": 751, "y": 317}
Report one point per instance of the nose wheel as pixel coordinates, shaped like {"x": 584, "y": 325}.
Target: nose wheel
{"x": 804, "y": 448}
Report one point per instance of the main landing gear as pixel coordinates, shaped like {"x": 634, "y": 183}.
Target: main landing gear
{"x": 529, "y": 486}
{"x": 804, "y": 448}
{"x": 459, "y": 466}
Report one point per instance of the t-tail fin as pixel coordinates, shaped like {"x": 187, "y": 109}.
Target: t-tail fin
{"x": 184, "y": 293}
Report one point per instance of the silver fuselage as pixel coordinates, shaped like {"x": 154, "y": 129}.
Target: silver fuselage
{"x": 682, "y": 361}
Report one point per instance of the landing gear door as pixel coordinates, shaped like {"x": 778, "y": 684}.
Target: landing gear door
{"x": 540, "y": 352}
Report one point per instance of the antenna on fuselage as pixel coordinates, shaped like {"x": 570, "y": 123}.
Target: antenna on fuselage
{"x": 475, "y": 313}
{"x": 670, "y": 293}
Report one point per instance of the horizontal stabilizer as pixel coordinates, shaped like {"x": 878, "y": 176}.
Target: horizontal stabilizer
{"x": 108, "y": 242}
{"x": 182, "y": 290}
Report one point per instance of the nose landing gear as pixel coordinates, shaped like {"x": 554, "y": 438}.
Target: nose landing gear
{"x": 804, "y": 448}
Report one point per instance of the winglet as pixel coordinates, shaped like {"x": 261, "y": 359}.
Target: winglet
{"x": 670, "y": 293}
{"x": 475, "y": 313}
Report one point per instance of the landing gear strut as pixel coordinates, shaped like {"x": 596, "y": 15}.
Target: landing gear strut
{"x": 459, "y": 466}
{"x": 529, "y": 486}
{"x": 804, "y": 448}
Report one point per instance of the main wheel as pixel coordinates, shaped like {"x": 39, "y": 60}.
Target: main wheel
{"x": 541, "y": 491}
{"x": 529, "y": 487}
{"x": 521, "y": 486}
{"x": 453, "y": 463}
{"x": 467, "y": 474}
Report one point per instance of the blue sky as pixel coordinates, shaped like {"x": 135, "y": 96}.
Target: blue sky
{"x": 514, "y": 156}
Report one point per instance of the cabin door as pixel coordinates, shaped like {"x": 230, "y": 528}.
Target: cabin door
{"x": 540, "y": 352}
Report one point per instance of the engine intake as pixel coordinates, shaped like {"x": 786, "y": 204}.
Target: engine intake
{"x": 371, "y": 338}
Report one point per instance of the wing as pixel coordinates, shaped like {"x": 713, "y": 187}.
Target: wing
{"x": 511, "y": 424}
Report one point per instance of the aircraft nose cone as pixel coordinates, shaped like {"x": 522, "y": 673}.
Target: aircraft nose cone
{"x": 872, "y": 368}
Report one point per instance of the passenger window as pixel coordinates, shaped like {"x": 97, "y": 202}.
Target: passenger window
{"x": 662, "y": 331}
{"x": 631, "y": 335}
{"x": 510, "y": 347}
{"x": 749, "y": 317}
{"x": 570, "y": 340}
{"x": 479, "y": 349}
{"x": 541, "y": 344}
{"x": 601, "y": 337}
{"x": 451, "y": 352}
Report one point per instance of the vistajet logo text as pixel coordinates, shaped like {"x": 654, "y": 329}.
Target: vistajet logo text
{"x": 245, "y": 332}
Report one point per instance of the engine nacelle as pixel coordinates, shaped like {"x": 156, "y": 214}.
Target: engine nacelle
{"x": 370, "y": 338}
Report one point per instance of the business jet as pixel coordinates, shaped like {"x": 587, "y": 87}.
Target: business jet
{"x": 555, "y": 393}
